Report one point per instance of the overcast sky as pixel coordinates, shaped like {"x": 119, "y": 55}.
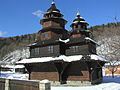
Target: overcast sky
{"x": 19, "y": 17}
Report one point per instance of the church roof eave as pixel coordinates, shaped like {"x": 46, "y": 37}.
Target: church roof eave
{"x": 61, "y": 57}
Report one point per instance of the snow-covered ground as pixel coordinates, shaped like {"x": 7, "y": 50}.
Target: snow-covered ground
{"x": 11, "y": 75}
{"x": 104, "y": 86}
{"x": 109, "y": 83}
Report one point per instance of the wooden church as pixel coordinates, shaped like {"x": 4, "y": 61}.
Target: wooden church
{"x": 64, "y": 56}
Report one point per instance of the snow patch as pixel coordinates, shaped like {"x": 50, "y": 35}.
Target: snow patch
{"x": 45, "y": 81}
{"x": 9, "y": 75}
{"x": 55, "y": 11}
{"x": 62, "y": 57}
{"x": 107, "y": 86}
{"x": 65, "y": 41}
{"x": 15, "y": 56}
{"x": 96, "y": 57}
{"x": 83, "y": 21}
{"x": 13, "y": 66}
{"x": 109, "y": 83}
{"x": 32, "y": 44}
{"x": 75, "y": 21}
{"x": 87, "y": 38}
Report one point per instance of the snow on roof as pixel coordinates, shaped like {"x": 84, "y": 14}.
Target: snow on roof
{"x": 32, "y": 44}
{"x": 112, "y": 84}
{"x": 96, "y": 57}
{"x": 13, "y": 66}
{"x": 87, "y": 38}
{"x": 83, "y": 21}
{"x": 62, "y": 57}
{"x": 55, "y": 11}
{"x": 19, "y": 66}
{"x": 113, "y": 63}
{"x": 75, "y": 21}
{"x": 87, "y": 30}
{"x": 45, "y": 81}
{"x": 80, "y": 21}
{"x": 80, "y": 17}
{"x": 65, "y": 41}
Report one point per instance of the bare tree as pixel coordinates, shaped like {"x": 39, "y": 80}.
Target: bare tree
{"x": 110, "y": 46}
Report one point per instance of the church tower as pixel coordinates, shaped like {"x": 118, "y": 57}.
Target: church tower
{"x": 61, "y": 56}
{"x": 52, "y": 34}
{"x": 79, "y": 27}
{"x": 53, "y": 24}
{"x": 80, "y": 38}
{"x": 79, "y": 23}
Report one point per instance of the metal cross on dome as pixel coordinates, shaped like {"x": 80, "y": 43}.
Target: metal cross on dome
{"x": 53, "y": 2}
{"x": 78, "y": 11}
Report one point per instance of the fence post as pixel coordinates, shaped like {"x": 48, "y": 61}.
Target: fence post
{"x": 6, "y": 84}
{"x": 44, "y": 85}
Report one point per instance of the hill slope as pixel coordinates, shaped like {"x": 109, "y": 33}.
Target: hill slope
{"x": 11, "y": 44}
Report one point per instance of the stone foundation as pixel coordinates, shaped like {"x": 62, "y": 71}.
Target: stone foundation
{"x": 71, "y": 83}
{"x": 76, "y": 83}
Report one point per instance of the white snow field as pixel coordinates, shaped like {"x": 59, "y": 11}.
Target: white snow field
{"x": 11, "y": 75}
{"x": 105, "y": 86}
{"x": 109, "y": 83}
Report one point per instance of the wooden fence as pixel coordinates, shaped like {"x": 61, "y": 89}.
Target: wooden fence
{"x": 12, "y": 84}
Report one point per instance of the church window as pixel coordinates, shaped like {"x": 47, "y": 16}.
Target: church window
{"x": 75, "y": 48}
{"x": 37, "y": 51}
{"x": 45, "y": 35}
{"x": 50, "y": 49}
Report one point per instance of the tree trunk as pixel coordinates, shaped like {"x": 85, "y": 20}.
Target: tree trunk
{"x": 112, "y": 74}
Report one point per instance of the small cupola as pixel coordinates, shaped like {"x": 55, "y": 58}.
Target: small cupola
{"x": 53, "y": 17}
{"x": 53, "y": 11}
{"x": 79, "y": 23}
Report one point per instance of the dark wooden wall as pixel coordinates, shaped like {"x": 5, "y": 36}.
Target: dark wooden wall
{"x": 44, "y": 52}
{"x": 92, "y": 48}
{"x": 44, "y": 71}
{"x": 82, "y": 49}
{"x": 76, "y": 35}
{"x": 50, "y": 23}
{"x": 51, "y": 35}
{"x": 76, "y": 71}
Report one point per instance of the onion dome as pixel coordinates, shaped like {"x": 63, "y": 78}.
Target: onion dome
{"x": 53, "y": 8}
{"x": 79, "y": 22}
{"x": 53, "y": 14}
{"x": 53, "y": 11}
